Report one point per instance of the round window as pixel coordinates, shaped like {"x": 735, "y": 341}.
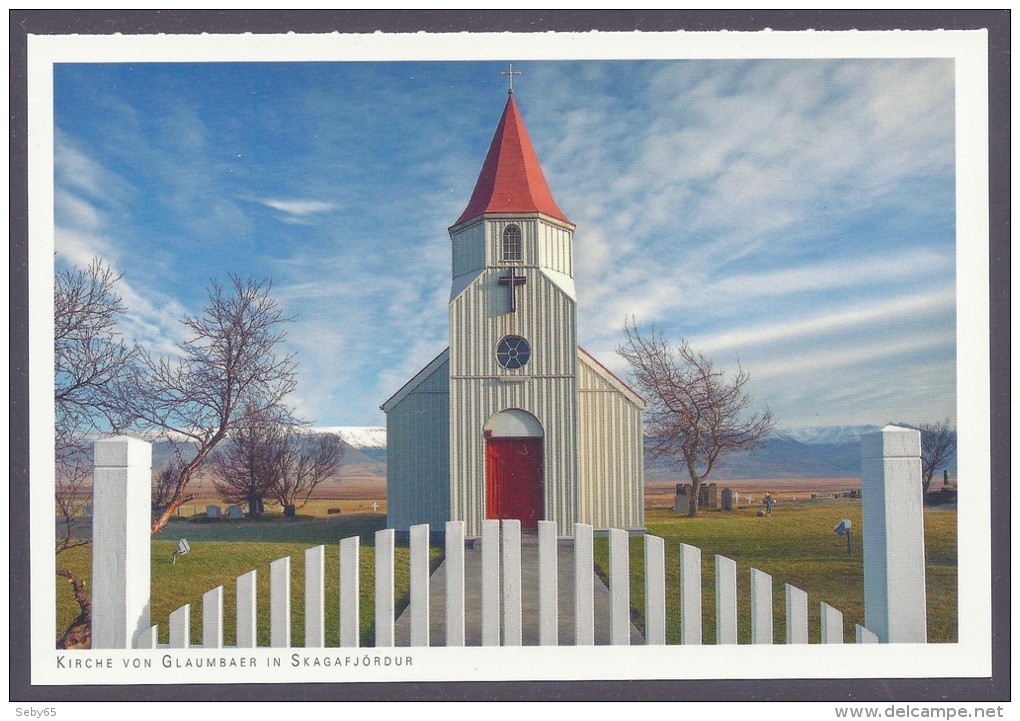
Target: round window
{"x": 513, "y": 352}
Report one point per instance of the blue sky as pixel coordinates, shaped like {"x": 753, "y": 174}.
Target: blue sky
{"x": 797, "y": 215}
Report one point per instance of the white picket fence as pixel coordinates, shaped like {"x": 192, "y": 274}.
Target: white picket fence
{"x": 894, "y": 578}
{"x": 501, "y": 603}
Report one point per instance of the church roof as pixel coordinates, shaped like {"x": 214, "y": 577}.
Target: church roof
{"x": 511, "y": 180}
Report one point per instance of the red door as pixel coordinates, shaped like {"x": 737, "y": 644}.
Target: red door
{"x": 513, "y": 469}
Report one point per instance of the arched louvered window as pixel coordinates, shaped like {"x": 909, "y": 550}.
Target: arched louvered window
{"x": 511, "y": 243}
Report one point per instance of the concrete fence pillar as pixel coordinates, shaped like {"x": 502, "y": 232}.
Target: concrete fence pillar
{"x": 121, "y": 491}
{"x": 894, "y": 593}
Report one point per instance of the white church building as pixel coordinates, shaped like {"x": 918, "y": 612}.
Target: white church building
{"x": 514, "y": 420}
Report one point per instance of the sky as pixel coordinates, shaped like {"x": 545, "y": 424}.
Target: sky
{"x": 795, "y": 216}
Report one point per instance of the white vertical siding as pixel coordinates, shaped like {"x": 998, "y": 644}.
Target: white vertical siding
{"x": 610, "y": 452}
{"x": 555, "y": 249}
{"x": 468, "y": 249}
{"x": 417, "y": 454}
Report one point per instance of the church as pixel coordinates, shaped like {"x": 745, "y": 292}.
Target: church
{"x": 514, "y": 419}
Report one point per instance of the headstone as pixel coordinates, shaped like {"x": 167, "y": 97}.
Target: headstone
{"x": 727, "y": 499}
{"x": 289, "y": 510}
{"x": 235, "y": 512}
{"x": 213, "y": 511}
{"x": 945, "y": 477}
{"x": 713, "y": 496}
{"x": 86, "y": 511}
{"x": 682, "y": 502}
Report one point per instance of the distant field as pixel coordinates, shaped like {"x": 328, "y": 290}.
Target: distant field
{"x": 367, "y": 482}
{"x": 660, "y": 494}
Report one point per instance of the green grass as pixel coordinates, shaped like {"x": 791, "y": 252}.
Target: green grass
{"x": 224, "y": 550}
{"x": 796, "y": 546}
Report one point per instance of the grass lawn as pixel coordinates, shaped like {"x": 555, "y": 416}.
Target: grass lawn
{"x": 797, "y": 546}
{"x": 224, "y": 550}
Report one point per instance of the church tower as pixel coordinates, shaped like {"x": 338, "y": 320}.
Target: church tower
{"x": 514, "y": 420}
{"x": 513, "y": 343}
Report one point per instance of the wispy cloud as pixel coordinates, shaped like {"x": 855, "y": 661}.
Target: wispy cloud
{"x": 937, "y": 302}
{"x": 300, "y": 208}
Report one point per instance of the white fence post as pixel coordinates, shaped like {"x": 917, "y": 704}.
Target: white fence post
{"x": 725, "y": 600}
{"x": 121, "y": 542}
{"x": 863, "y": 635}
{"x": 796, "y": 615}
{"x": 894, "y": 592}
{"x": 619, "y": 587}
{"x": 454, "y": 564}
{"x": 149, "y": 639}
{"x": 548, "y": 577}
{"x": 180, "y": 627}
{"x": 655, "y": 591}
{"x": 419, "y": 570}
{"x": 385, "y": 541}
{"x": 350, "y": 586}
{"x": 246, "y": 628}
{"x": 315, "y": 589}
{"x": 584, "y": 584}
{"x": 761, "y": 607}
{"x": 690, "y": 595}
{"x": 490, "y": 582}
{"x": 212, "y": 618}
{"x": 512, "y": 630}
{"x": 832, "y": 625}
{"x": 279, "y": 603}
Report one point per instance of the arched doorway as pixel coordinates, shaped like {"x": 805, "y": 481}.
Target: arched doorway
{"x": 514, "y": 468}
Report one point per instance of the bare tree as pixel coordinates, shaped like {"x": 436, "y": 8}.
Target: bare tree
{"x": 164, "y": 482}
{"x": 938, "y": 446}
{"x": 305, "y": 462}
{"x": 91, "y": 365}
{"x": 248, "y": 464}
{"x": 229, "y": 371}
{"x": 695, "y": 415}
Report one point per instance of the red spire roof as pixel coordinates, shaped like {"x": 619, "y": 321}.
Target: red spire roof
{"x": 511, "y": 180}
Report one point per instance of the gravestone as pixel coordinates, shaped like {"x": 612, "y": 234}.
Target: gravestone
{"x": 708, "y": 496}
{"x": 86, "y": 511}
{"x": 727, "y": 499}
{"x": 235, "y": 512}
{"x": 213, "y": 511}
{"x": 682, "y": 502}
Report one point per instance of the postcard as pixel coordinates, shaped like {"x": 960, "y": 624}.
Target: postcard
{"x": 487, "y": 357}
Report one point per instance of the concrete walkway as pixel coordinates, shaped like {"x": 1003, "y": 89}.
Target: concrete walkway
{"x": 529, "y": 600}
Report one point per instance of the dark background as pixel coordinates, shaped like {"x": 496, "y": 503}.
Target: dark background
{"x": 102, "y": 22}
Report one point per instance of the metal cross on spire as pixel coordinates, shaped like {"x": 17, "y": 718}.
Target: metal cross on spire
{"x": 510, "y": 75}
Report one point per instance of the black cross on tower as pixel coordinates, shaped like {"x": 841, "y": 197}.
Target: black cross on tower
{"x": 510, "y": 74}
{"x": 512, "y": 280}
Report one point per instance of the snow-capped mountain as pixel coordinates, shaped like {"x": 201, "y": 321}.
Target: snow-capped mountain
{"x": 356, "y": 436}
{"x": 824, "y": 434}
